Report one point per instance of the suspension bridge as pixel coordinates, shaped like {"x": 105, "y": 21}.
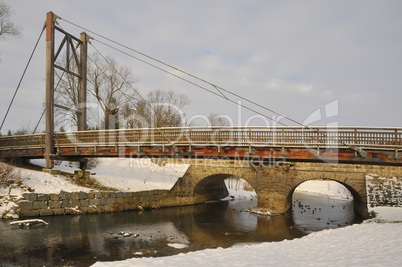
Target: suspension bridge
{"x": 287, "y": 143}
{"x": 258, "y": 154}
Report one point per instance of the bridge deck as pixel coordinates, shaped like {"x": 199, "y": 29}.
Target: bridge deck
{"x": 343, "y": 144}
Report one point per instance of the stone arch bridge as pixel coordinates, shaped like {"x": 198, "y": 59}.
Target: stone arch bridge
{"x": 273, "y": 160}
{"x": 274, "y": 184}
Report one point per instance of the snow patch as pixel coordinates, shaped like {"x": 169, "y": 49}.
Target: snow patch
{"x": 130, "y": 174}
{"x": 386, "y": 215}
{"x": 331, "y": 189}
{"x": 356, "y": 245}
{"x": 237, "y": 189}
{"x": 261, "y": 211}
{"x": 178, "y": 245}
{"x": 137, "y": 174}
{"x": 33, "y": 181}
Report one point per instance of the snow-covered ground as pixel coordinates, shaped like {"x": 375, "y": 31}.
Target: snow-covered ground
{"x": 129, "y": 174}
{"x": 33, "y": 181}
{"x": 118, "y": 173}
{"x": 329, "y": 188}
{"x": 40, "y": 182}
{"x": 236, "y": 189}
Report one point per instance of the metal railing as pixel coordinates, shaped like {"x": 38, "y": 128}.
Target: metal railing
{"x": 322, "y": 137}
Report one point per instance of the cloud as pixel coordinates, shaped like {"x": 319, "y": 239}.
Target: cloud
{"x": 293, "y": 56}
{"x": 289, "y": 86}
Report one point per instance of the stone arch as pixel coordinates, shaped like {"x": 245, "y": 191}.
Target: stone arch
{"x": 205, "y": 182}
{"x": 359, "y": 196}
{"x": 211, "y": 185}
{"x": 244, "y": 173}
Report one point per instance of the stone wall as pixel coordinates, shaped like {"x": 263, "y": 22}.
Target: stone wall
{"x": 384, "y": 191}
{"x": 34, "y": 204}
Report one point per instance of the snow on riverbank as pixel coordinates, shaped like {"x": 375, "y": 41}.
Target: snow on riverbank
{"x": 118, "y": 173}
{"x": 329, "y": 188}
{"x": 387, "y": 215}
{"x": 367, "y": 244}
{"x": 129, "y": 174}
{"x": 236, "y": 189}
{"x": 40, "y": 182}
{"x": 137, "y": 174}
{"x": 33, "y": 181}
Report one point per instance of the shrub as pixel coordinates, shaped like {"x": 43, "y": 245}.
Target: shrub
{"x": 8, "y": 175}
{"x": 92, "y": 163}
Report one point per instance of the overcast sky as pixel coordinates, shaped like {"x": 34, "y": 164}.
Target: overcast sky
{"x": 295, "y": 57}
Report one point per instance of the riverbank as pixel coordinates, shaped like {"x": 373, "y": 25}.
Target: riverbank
{"x": 376, "y": 242}
{"x": 116, "y": 174}
{"x": 125, "y": 175}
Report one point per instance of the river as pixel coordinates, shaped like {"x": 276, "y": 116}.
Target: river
{"x": 83, "y": 240}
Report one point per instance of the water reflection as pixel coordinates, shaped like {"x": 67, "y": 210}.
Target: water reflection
{"x": 316, "y": 212}
{"x": 83, "y": 240}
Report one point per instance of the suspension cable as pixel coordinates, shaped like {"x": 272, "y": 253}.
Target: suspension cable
{"x": 125, "y": 95}
{"x": 43, "y": 113}
{"x": 22, "y": 77}
{"x": 218, "y": 88}
{"x": 40, "y": 119}
{"x": 192, "y": 83}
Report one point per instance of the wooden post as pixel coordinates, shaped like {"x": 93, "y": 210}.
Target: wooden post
{"x": 82, "y": 117}
{"x": 49, "y": 147}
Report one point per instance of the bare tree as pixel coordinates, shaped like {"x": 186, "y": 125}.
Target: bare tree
{"x": 218, "y": 120}
{"x": 128, "y": 118}
{"x": 158, "y": 109}
{"x": 67, "y": 94}
{"x": 111, "y": 86}
{"x": 25, "y": 129}
{"x": 7, "y": 27}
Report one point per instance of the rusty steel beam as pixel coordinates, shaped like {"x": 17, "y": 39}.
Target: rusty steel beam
{"x": 291, "y": 154}
{"x": 82, "y": 97}
{"x": 345, "y": 155}
{"x": 50, "y": 71}
{"x": 49, "y": 149}
{"x": 233, "y": 142}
